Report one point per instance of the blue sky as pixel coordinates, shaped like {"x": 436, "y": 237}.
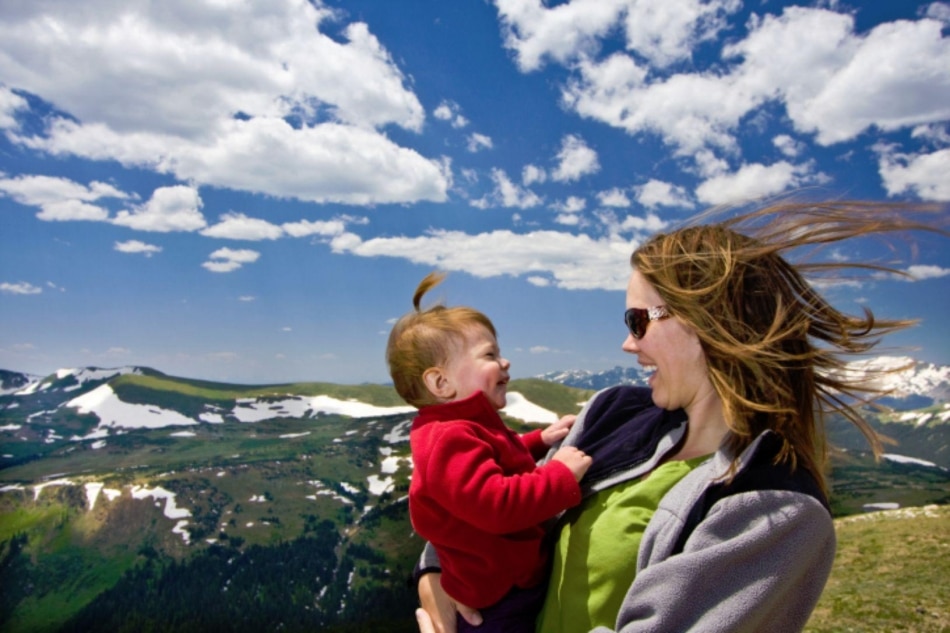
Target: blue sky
{"x": 250, "y": 191}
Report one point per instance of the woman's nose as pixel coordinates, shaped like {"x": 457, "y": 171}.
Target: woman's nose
{"x": 630, "y": 344}
{"x": 505, "y": 364}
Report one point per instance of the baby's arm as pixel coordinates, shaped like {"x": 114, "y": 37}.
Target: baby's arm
{"x": 575, "y": 459}
{"x": 557, "y": 431}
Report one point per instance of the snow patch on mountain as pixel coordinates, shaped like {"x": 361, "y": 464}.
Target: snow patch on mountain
{"x": 523, "y": 409}
{"x": 113, "y": 412}
{"x": 75, "y": 378}
{"x": 256, "y": 409}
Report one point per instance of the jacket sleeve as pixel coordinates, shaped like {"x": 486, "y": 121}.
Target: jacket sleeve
{"x": 758, "y": 561}
{"x": 463, "y": 477}
{"x": 533, "y": 442}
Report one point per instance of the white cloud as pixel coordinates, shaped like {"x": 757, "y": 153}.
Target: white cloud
{"x": 200, "y": 89}
{"x": 632, "y": 224}
{"x": 832, "y": 82}
{"x": 180, "y": 67}
{"x": 225, "y": 260}
{"x": 237, "y": 226}
{"x": 61, "y": 199}
{"x": 478, "y": 142}
{"x": 665, "y": 31}
{"x": 175, "y": 208}
{"x": 573, "y": 204}
{"x": 925, "y": 175}
{"x": 571, "y": 261}
{"x": 615, "y": 197}
{"x": 10, "y": 104}
{"x": 135, "y": 246}
{"x": 569, "y": 211}
{"x": 304, "y": 228}
{"x": 452, "y": 112}
{"x": 921, "y": 272}
{"x": 657, "y": 193}
{"x": 662, "y": 31}
{"x": 72, "y": 210}
{"x": 568, "y": 219}
{"x": 938, "y": 11}
{"x": 535, "y": 32}
{"x": 327, "y": 162}
{"x": 575, "y": 160}
{"x": 934, "y": 133}
{"x": 754, "y": 180}
{"x": 507, "y": 194}
{"x": 789, "y": 147}
{"x": 839, "y": 84}
{"x": 532, "y": 174}
{"x": 21, "y": 288}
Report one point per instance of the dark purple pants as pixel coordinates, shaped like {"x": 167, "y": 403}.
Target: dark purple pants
{"x": 515, "y": 613}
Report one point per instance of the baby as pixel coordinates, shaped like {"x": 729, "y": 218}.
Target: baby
{"x": 477, "y": 494}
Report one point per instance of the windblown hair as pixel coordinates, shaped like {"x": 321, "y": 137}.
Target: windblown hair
{"x": 422, "y": 339}
{"x": 777, "y": 351}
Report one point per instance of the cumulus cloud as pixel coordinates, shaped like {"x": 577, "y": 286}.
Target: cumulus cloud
{"x": 135, "y": 246}
{"x": 789, "y": 147}
{"x": 507, "y": 194}
{"x": 304, "y": 228}
{"x": 575, "y": 159}
{"x": 225, "y": 260}
{"x": 834, "y": 83}
{"x": 20, "y": 288}
{"x": 573, "y": 204}
{"x": 477, "y": 142}
{"x": 569, "y": 261}
{"x": 61, "y": 199}
{"x": 237, "y": 226}
{"x": 176, "y": 208}
{"x": 662, "y": 31}
{"x": 253, "y": 97}
{"x": 451, "y": 112}
{"x": 922, "y": 174}
{"x": 921, "y": 272}
{"x": 532, "y": 174}
{"x": 755, "y": 180}
{"x": 657, "y": 193}
{"x": 10, "y": 104}
{"x": 615, "y": 197}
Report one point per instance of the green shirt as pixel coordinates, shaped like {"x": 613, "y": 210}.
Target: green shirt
{"x": 595, "y": 556}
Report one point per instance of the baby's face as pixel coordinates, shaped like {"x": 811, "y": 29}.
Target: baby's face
{"x": 476, "y": 364}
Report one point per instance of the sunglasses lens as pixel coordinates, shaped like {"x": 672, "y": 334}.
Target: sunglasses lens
{"x": 636, "y": 320}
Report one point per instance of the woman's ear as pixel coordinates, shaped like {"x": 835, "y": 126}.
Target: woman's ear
{"x": 438, "y": 383}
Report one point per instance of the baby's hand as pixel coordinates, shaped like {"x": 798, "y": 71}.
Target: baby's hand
{"x": 575, "y": 459}
{"x": 557, "y": 431}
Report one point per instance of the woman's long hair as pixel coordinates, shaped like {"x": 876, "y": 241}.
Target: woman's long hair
{"x": 777, "y": 351}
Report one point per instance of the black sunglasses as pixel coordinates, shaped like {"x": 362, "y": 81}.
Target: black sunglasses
{"x": 637, "y": 319}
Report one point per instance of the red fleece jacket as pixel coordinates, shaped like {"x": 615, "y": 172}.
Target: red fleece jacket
{"x": 479, "y": 498}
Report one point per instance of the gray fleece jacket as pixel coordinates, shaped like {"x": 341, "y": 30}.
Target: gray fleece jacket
{"x": 758, "y": 552}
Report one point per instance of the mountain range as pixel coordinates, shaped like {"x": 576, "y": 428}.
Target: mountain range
{"x": 916, "y": 385}
{"x": 133, "y": 499}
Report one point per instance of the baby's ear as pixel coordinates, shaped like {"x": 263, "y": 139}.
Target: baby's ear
{"x": 438, "y": 383}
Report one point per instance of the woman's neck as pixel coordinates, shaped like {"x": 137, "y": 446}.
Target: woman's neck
{"x": 706, "y": 429}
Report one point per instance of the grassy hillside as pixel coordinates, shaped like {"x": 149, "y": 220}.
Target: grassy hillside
{"x": 890, "y": 574}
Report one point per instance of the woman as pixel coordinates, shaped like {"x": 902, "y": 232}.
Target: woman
{"x": 706, "y": 509}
